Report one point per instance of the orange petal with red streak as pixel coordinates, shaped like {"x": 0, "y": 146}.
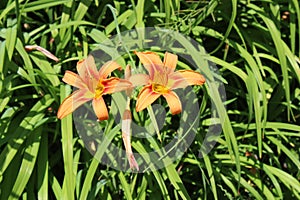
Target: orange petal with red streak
{"x": 72, "y": 102}
{"x": 146, "y": 98}
{"x": 114, "y": 84}
{"x": 108, "y": 67}
{"x": 100, "y": 109}
{"x": 173, "y": 102}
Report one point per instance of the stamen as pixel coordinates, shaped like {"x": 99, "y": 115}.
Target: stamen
{"x": 161, "y": 76}
{"x": 158, "y": 88}
{"x": 99, "y": 90}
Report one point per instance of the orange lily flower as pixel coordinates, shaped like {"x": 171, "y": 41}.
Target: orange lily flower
{"x": 162, "y": 80}
{"x": 92, "y": 84}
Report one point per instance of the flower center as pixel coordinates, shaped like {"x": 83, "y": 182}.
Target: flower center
{"x": 158, "y": 88}
{"x": 99, "y": 90}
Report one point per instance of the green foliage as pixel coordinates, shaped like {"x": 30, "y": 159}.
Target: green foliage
{"x": 256, "y": 46}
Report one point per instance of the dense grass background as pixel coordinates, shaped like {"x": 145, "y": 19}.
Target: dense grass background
{"x": 255, "y": 45}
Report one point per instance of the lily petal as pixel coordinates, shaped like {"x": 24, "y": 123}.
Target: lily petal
{"x": 85, "y": 74}
{"x": 150, "y": 60}
{"x": 139, "y": 79}
{"x": 183, "y": 78}
{"x": 73, "y": 79}
{"x": 146, "y": 98}
{"x": 107, "y": 68}
{"x": 72, "y": 102}
{"x": 170, "y": 60}
{"x": 114, "y": 84}
{"x": 87, "y": 69}
{"x": 173, "y": 102}
{"x": 100, "y": 109}
{"x": 79, "y": 66}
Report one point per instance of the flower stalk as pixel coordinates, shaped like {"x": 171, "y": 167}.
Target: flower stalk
{"x": 126, "y": 125}
{"x": 126, "y": 135}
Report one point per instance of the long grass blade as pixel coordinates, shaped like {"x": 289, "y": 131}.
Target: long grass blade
{"x": 27, "y": 166}
{"x": 67, "y": 149}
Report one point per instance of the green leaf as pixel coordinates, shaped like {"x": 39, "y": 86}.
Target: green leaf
{"x": 67, "y": 150}
{"x": 95, "y": 162}
{"x": 2, "y": 56}
{"x": 275, "y": 34}
{"x": 42, "y": 168}
{"x": 55, "y": 186}
{"x": 125, "y": 185}
{"x": 11, "y": 37}
{"x": 28, "y": 162}
{"x": 27, "y": 124}
{"x": 46, "y": 68}
{"x": 40, "y": 5}
{"x": 211, "y": 176}
{"x": 292, "y": 156}
{"x": 247, "y": 186}
{"x": 177, "y": 182}
{"x": 141, "y": 191}
{"x": 286, "y": 178}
